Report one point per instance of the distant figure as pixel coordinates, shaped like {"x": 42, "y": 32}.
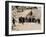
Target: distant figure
{"x": 38, "y": 21}
{"x": 29, "y": 19}
{"x": 13, "y": 21}
{"x": 31, "y": 13}
{"x": 33, "y": 19}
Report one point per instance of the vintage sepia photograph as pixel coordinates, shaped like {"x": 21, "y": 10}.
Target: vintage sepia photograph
{"x": 24, "y": 18}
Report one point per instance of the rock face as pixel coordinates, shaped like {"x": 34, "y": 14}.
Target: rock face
{"x": 28, "y": 15}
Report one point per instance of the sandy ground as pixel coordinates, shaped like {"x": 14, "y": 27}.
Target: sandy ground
{"x": 27, "y": 26}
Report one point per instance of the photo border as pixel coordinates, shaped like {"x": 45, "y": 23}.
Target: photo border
{"x": 7, "y": 17}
